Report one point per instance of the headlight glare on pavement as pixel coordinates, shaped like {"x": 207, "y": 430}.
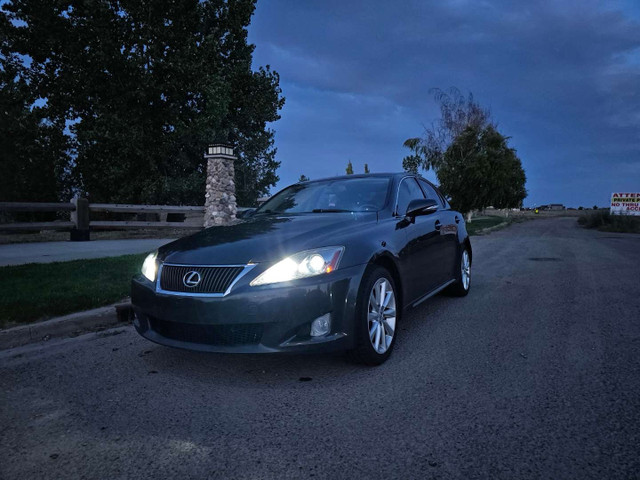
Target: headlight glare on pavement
{"x": 150, "y": 267}
{"x": 301, "y": 265}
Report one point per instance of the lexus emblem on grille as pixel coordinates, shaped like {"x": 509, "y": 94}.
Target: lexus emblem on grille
{"x": 191, "y": 279}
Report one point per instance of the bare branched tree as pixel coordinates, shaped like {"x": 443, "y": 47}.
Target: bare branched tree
{"x": 457, "y": 113}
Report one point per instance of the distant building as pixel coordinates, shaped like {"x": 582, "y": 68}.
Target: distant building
{"x": 556, "y": 206}
{"x": 552, "y": 206}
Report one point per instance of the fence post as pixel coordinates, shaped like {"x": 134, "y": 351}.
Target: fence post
{"x": 80, "y": 218}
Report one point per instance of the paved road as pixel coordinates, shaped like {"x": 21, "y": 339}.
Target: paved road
{"x": 536, "y": 374}
{"x": 47, "y": 252}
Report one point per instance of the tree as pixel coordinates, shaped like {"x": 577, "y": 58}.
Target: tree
{"x": 366, "y": 168}
{"x": 472, "y": 160}
{"x": 32, "y": 150}
{"x": 349, "y": 168}
{"x": 479, "y": 169}
{"x": 456, "y": 114}
{"x": 142, "y": 87}
{"x": 303, "y": 178}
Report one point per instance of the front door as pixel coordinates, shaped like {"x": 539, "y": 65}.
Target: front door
{"x": 423, "y": 261}
{"x": 448, "y": 229}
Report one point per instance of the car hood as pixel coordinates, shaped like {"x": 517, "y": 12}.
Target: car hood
{"x": 263, "y": 238}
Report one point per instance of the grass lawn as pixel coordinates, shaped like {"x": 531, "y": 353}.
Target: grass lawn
{"x": 485, "y": 222}
{"x": 41, "y": 290}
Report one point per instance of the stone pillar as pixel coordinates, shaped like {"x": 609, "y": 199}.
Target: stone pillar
{"x": 220, "y": 197}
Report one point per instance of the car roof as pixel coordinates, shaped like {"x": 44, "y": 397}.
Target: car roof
{"x": 360, "y": 175}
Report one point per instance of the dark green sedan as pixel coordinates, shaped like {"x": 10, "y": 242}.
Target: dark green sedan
{"x": 323, "y": 265}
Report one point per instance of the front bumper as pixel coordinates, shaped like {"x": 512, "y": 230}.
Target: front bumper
{"x": 263, "y": 319}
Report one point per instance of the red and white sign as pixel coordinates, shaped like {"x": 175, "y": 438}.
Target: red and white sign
{"x": 625, "y": 203}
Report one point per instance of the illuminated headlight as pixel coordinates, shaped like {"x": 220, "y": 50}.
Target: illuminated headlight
{"x": 150, "y": 267}
{"x": 302, "y": 265}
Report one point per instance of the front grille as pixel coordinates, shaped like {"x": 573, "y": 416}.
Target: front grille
{"x": 219, "y": 335}
{"x": 212, "y": 279}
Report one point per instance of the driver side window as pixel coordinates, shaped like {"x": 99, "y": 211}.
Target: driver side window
{"x": 407, "y": 191}
{"x": 430, "y": 192}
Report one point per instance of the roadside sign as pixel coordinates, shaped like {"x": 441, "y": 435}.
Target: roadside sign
{"x": 625, "y": 203}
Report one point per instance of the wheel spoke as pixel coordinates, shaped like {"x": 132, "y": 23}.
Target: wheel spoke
{"x": 372, "y": 330}
{"x": 389, "y": 326}
{"x": 389, "y": 312}
{"x": 383, "y": 290}
{"x": 383, "y": 339}
{"x": 376, "y": 342}
{"x": 387, "y": 298}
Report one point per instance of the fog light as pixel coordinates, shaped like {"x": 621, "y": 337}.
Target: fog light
{"x": 321, "y": 325}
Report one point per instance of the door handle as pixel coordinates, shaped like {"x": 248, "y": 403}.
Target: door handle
{"x": 457, "y": 219}
{"x": 438, "y": 225}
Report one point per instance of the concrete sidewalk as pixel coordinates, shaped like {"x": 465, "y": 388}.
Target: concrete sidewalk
{"x": 47, "y": 252}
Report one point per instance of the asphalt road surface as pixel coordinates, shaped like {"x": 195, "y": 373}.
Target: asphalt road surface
{"x": 536, "y": 374}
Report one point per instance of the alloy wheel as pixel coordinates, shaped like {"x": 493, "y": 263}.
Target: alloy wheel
{"x": 381, "y": 315}
{"x": 465, "y": 266}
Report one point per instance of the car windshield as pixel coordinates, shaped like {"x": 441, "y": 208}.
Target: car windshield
{"x": 362, "y": 194}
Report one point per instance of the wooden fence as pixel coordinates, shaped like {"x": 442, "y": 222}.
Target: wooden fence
{"x": 12, "y": 207}
{"x": 80, "y": 221}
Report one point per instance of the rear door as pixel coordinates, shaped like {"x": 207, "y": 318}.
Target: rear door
{"x": 423, "y": 261}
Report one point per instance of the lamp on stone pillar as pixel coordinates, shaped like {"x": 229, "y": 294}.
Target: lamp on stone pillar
{"x": 220, "y": 196}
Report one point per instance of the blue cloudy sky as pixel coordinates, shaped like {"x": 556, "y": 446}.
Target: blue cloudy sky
{"x": 562, "y": 79}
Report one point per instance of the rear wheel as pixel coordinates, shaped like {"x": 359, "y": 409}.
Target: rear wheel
{"x": 461, "y": 286}
{"x": 376, "y": 318}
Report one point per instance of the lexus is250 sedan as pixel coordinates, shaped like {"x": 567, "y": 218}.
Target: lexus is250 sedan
{"x": 323, "y": 265}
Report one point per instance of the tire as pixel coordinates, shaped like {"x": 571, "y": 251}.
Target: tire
{"x": 460, "y": 288}
{"x": 376, "y": 332}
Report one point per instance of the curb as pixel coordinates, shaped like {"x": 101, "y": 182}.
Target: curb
{"x": 491, "y": 229}
{"x": 500, "y": 226}
{"x": 67, "y": 326}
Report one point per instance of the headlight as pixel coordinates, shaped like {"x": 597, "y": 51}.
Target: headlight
{"x": 302, "y": 265}
{"x": 150, "y": 267}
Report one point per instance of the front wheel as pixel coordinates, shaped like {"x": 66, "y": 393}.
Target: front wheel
{"x": 461, "y": 286}
{"x": 376, "y": 318}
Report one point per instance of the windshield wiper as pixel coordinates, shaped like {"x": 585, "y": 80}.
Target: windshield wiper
{"x": 328, "y": 210}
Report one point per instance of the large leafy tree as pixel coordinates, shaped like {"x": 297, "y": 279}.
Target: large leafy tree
{"x": 141, "y": 86}
{"x": 479, "y": 169}
{"x": 473, "y": 162}
{"x": 33, "y": 151}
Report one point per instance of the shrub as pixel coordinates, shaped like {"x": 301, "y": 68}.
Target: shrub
{"x": 603, "y": 220}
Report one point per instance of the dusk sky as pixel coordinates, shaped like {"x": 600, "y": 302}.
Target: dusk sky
{"x": 561, "y": 78}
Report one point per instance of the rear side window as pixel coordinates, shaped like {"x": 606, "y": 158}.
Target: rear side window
{"x": 431, "y": 192}
{"x": 407, "y": 191}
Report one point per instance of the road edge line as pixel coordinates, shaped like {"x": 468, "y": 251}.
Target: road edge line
{"x": 70, "y": 325}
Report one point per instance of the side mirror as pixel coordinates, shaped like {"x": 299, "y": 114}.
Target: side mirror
{"x": 246, "y": 213}
{"x": 421, "y": 206}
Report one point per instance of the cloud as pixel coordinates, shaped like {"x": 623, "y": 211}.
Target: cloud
{"x": 561, "y": 79}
